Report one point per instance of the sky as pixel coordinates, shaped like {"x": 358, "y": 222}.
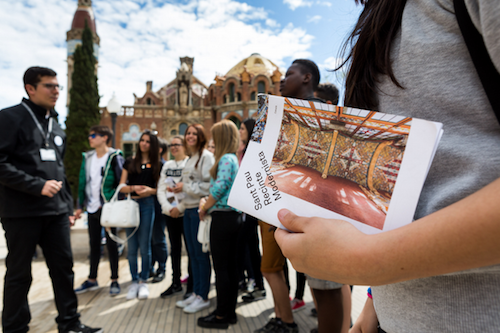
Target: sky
{"x": 142, "y": 40}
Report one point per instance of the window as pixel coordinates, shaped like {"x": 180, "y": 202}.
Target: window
{"x": 261, "y": 87}
{"x": 129, "y": 149}
{"x": 182, "y": 128}
{"x": 231, "y": 92}
{"x": 252, "y": 96}
{"x": 148, "y": 101}
{"x": 235, "y": 120}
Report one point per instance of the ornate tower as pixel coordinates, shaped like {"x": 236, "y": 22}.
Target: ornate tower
{"x": 184, "y": 79}
{"x": 83, "y": 13}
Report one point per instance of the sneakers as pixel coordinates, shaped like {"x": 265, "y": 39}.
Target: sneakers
{"x": 143, "y": 291}
{"x": 185, "y": 302}
{"x": 288, "y": 328}
{"x": 114, "y": 289}
{"x": 80, "y": 328}
{"x": 159, "y": 276}
{"x": 297, "y": 304}
{"x": 133, "y": 290}
{"x": 197, "y": 305}
{"x": 87, "y": 286}
{"x": 184, "y": 279}
{"x": 250, "y": 285}
{"x": 255, "y": 295}
{"x": 173, "y": 289}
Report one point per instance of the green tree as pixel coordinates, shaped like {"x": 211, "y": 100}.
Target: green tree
{"x": 83, "y": 107}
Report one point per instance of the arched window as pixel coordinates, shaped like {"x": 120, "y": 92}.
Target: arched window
{"x": 231, "y": 92}
{"x": 182, "y": 128}
{"x": 261, "y": 87}
{"x": 252, "y": 96}
{"x": 148, "y": 101}
{"x": 235, "y": 120}
{"x": 239, "y": 97}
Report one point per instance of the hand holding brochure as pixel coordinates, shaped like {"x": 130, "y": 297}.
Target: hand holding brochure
{"x": 317, "y": 159}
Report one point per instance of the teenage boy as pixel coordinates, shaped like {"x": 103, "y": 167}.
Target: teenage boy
{"x": 301, "y": 80}
{"x": 35, "y": 204}
{"x": 100, "y": 174}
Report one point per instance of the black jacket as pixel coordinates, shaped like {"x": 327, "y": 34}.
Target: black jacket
{"x": 22, "y": 171}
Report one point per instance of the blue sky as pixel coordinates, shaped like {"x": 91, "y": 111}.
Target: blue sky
{"x": 142, "y": 40}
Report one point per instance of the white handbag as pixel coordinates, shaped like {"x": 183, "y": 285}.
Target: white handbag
{"x": 204, "y": 233}
{"x": 120, "y": 214}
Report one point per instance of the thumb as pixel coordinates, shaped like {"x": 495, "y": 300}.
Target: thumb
{"x": 291, "y": 221}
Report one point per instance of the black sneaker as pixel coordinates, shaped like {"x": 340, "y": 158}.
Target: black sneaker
{"x": 159, "y": 276}
{"x": 288, "y": 328}
{"x": 255, "y": 295}
{"x": 80, "y": 328}
{"x": 173, "y": 289}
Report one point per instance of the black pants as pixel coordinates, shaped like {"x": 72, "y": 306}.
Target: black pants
{"x": 94, "y": 221}
{"x": 248, "y": 247}
{"x": 159, "y": 252}
{"x": 224, "y": 245}
{"x": 301, "y": 285}
{"x": 175, "y": 227}
{"x": 22, "y": 235}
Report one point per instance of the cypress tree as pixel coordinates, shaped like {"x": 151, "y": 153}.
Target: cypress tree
{"x": 83, "y": 107}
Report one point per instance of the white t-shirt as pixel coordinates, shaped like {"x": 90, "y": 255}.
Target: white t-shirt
{"x": 97, "y": 165}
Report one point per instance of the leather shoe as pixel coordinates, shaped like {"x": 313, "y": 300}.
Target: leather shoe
{"x": 211, "y": 321}
{"x": 173, "y": 289}
{"x": 159, "y": 276}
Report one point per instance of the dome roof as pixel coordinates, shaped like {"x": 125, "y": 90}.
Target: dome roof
{"x": 255, "y": 65}
{"x": 83, "y": 13}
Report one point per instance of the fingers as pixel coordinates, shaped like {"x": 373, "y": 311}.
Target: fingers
{"x": 291, "y": 221}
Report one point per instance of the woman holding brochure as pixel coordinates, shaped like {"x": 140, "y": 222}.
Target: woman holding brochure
{"x": 410, "y": 58}
{"x": 194, "y": 184}
{"x": 171, "y": 174}
{"x": 225, "y": 225}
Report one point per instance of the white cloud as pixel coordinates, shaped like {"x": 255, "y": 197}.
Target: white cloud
{"x": 294, "y": 4}
{"x": 324, "y": 3}
{"x": 314, "y": 19}
{"x": 141, "y": 41}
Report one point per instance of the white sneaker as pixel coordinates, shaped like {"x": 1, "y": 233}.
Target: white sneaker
{"x": 132, "y": 291}
{"x": 198, "y": 305}
{"x": 182, "y": 304}
{"x": 143, "y": 292}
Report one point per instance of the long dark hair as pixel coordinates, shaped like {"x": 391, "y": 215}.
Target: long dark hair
{"x": 370, "y": 50}
{"x": 154, "y": 156}
{"x": 249, "y": 125}
{"x": 200, "y": 144}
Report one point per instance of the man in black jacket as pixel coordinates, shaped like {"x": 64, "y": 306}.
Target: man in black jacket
{"x": 35, "y": 203}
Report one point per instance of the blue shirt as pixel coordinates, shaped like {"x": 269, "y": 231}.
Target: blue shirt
{"x": 221, "y": 186}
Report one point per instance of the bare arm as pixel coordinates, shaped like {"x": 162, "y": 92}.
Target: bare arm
{"x": 459, "y": 237}
{"x": 367, "y": 321}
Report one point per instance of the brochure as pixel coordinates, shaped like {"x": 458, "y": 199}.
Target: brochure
{"x": 318, "y": 159}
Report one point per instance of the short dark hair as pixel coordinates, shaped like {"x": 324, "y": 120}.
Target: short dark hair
{"x": 33, "y": 75}
{"x": 162, "y": 143}
{"x": 308, "y": 66}
{"x": 102, "y": 130}
{"x": 328, "y": 92}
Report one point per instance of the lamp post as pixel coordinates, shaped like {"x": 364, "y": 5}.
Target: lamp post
{"x": 113, "y": 109}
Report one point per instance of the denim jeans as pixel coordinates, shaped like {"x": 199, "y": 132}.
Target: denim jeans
{"x": 200, "y": 261}
{"x": 159, "y": 249}
{"x": 142, "y": 239}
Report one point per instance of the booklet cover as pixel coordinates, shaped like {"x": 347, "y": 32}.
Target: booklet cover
{"x": 317, "y": 159}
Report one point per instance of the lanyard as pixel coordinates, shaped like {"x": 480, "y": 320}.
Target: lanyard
{"x": 46, "y": 137}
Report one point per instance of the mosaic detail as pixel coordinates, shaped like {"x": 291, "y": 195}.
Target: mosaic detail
{"x": 387, "y": 168}
{"x": 284, "y": 146}
{"x": 312, "y": 149}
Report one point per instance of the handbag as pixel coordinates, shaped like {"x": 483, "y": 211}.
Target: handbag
{"x": 120, "y": 214}
{"x": 204, "y": 233}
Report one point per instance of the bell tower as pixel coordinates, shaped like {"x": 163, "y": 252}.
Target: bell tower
{"x": 83, "y": 13}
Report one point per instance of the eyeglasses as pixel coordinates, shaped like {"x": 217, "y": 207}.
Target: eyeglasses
{"x": 52, "y": 86}
{"x": 173, "y": 145}
{"x": 93, "y": 135}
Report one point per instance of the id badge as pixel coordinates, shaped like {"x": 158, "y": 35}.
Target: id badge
{"x": 48, "y": 155}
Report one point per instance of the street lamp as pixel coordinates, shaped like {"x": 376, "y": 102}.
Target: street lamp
{"x": 113, "y": 109}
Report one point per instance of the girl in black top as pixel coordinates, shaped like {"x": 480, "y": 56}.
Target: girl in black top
{"x": 141, "y": 175}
